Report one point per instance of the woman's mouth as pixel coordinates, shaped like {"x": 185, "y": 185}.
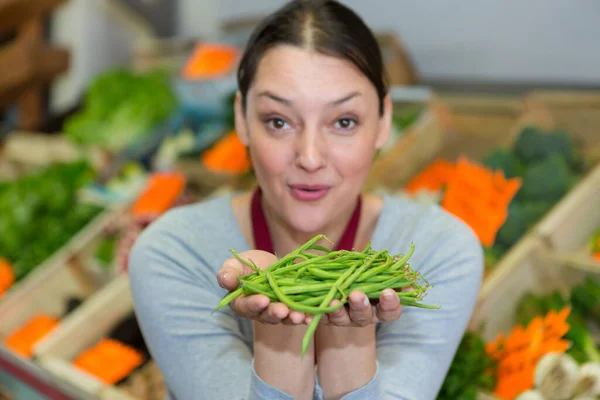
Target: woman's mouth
{"x": 309, "y": 192}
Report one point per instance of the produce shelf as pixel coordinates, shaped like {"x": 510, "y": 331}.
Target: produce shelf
{"x": 103, "y": 310}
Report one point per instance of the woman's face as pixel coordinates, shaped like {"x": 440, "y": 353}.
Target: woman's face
{"x": 312, "y": 124}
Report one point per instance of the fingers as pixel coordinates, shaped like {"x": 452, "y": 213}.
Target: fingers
{"x": 360, "y": 311}
{"x": 339, "y": 317}
{"x": 296, "y": 317}
{"x": 389, "y": 308}
{"x": 250, "y": 306}
{"x": 274, "y": 314}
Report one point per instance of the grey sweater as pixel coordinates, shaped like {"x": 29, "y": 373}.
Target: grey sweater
{"x": 173, "y": 268}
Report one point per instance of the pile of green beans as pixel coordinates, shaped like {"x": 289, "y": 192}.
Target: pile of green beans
{"x": 308, "y": 282}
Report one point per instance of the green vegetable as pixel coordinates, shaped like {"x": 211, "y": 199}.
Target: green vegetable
{"x": 547, "y": 180}
{"x": 403, "y": 118}
{"x": 472, "y": 370}
{"x": 310, "y": 285}
{"x": 105, "y": 253}
{"x": 121, "y": 108}
{"x": 534, "y": 145}
{"x": 521, "y": 218}
{"x": 506, "y": 161}
{"x": 39, "y": 213}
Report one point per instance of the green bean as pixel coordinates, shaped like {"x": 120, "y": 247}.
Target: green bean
{"x": 313, "y": 300}
{"x": 412, "y": 303}
{"x": 292, "y": 282}
{"x": 319, "y": 248}
{"x": 393, "y": 283}
{"x": 292, "y": 304}
{"x": 404, "y": 259}
{"x": 350, "y": 280}
{"x": 377, "y": 295}
{"x": 376, "y": 271}
{"x": 251, "y": 289}
{"x": 228, "y": 298}
{"x": 249, "y": 263}
{"x": 298, "y": 289}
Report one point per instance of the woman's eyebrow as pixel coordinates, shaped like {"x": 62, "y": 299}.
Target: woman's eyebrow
{"x": 289, "y": 103}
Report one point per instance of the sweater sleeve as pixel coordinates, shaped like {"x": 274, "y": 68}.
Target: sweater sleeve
{"x": 201, "y": 356}
{"x": 414, "y": 353}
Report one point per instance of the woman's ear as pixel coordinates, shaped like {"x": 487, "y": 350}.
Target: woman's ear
{"x": 241, "y": 127}
{"x": 385, "y": 123}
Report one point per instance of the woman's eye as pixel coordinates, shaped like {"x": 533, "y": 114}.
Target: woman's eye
{"x": 345, "y": 124}
{"x": 277, "y": 124}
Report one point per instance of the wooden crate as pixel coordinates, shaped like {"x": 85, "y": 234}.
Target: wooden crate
{"x": 568, "y": 228}
{"x": 577, "y": 111}
{"x": 47, "y": 292}
{"x": 528, "y": 271}
{"x": 479, "y": 122}
{"x": 103, "y": 310}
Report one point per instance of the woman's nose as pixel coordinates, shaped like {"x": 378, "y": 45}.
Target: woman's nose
{"x": 311, "y": 151}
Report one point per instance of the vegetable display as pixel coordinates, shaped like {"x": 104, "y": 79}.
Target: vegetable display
{"x": 40, "y": 212}
{"x": 309, "y": 286}
{"x": 121, "y": 108}
{"x": 549, "y": 165}
{"x": 472, "y": 370}
{"x": 584, "y": 300}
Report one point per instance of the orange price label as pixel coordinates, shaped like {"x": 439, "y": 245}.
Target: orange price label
{"x": 433, "y": 178}
{"x": 23, "y": 340}
{"x": 210, "y": 60}
{"x": 162, "y": 191}
{"x": 7, "y": 276}
{"x": 480, "y": 198}
{"x": 519, "y": 353}
{"x": 109, "y": 360}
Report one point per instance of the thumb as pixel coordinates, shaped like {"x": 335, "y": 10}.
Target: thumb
{"x": 233, "y": 267}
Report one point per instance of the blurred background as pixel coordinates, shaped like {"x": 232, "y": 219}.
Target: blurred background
{"x": 113, "y": 112}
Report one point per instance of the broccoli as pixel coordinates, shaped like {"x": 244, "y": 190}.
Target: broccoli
{"x": 547, "y": 180}
{"x": 521, "y": 217}
{"x": 506, "y": 161}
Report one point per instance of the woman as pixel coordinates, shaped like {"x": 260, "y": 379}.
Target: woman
{"x": 312, "y": 109}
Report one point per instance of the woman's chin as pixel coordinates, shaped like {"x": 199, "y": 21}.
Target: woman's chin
{"x": 313, "y": 223}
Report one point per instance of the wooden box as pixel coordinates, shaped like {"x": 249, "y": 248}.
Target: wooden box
{"x": 102, "y": 311}
{"x": 568, "y": 229}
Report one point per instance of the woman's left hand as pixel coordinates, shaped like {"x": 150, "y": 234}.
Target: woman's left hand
{"x": 361, "y": 312}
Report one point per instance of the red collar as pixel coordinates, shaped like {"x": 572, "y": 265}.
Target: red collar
{"x": 262, "y": 236}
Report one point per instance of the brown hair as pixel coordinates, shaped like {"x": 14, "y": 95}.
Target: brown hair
{"x": 325, "y": 26}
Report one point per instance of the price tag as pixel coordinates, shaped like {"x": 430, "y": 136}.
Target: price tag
{"x": 24, "y": 339}
{"x": 163, "y": 190}
{"x": 433, "y": 178}
{"x": 7, "y": 276}
{"x": 519, "y": 353}
{"x": 480, "y": 198}
{"x": 210, "y": 61}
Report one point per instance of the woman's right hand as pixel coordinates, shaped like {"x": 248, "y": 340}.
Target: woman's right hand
{"x": 256, "y": 307}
